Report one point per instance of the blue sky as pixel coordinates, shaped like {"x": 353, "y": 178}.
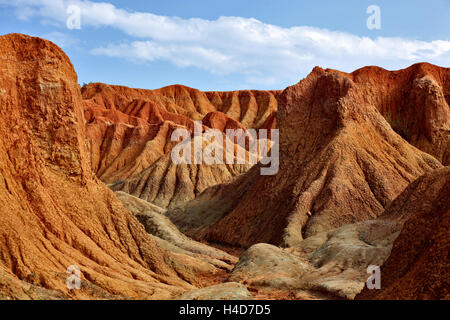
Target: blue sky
{"x": 229, "y": 45}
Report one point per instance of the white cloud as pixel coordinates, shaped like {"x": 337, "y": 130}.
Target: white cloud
{"x": 260, "y": 52}
{"x": 63, "y": 40}
{"x": 180, "y": 55}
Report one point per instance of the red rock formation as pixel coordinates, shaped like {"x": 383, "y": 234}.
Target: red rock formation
{"x": 170, "y": 185}
{"x": 54, "y": 212}
{"x": 220, "y": 121}
{"x": 120, "y": 149}
{"x": 249, "y": 107}
{"x": 340, "y": 162}
{"x": 129, "y": 129}
{"x": 419, "y": 266}
{"x": 271, "y": 122}
{"x": 415, "y": 101}
{"x": 130, "y": 138}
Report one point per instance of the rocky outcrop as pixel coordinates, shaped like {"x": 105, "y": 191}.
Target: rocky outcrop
{"x": 340, "y": 257}
{"x": 224, "y": 291}
{"x": 158, "y": 225}
{"x": 332, "y": 263}
{"x": 408, "y": 240}
{"x": 418, "y": 266}
{"x": 264, "y": 265}
{"x": 415, "y": 101}
{"x": 54, "y": 212}
{"x": 340, "y": 163}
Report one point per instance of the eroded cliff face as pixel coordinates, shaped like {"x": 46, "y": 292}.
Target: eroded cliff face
{"x": 130, "y": 129}
{"x": 418, "y": 266}
{"x": 54, "y": 211}
{"x": 340, "y": 162}
{"x": 409, "y": 240}
{"x": 415, "y": 102}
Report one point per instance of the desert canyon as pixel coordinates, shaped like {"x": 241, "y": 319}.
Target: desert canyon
{"x": 86, "y": 179}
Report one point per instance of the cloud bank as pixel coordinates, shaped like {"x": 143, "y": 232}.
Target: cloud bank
{"x": 262, "y": 53}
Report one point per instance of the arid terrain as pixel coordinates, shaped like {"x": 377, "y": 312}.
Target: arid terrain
{"x": 87, "y": 180}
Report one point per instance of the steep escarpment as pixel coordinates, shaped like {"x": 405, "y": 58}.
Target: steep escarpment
{"x": 54, "y": 212}
{"x": 415, "y": 101}
{"x": 340, "y": 162}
